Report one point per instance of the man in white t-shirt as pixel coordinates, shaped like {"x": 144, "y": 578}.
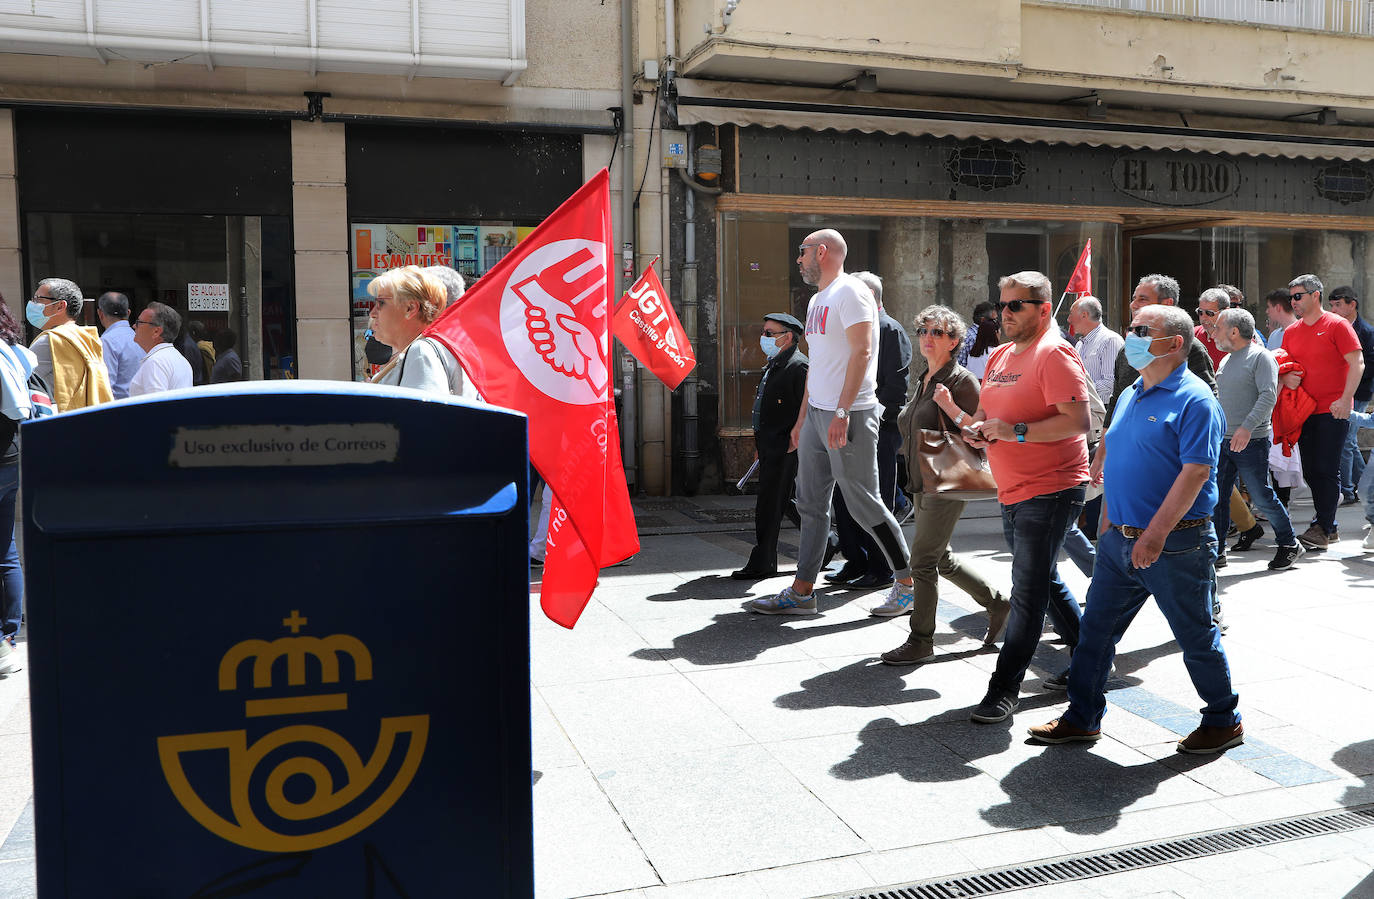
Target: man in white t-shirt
{"x": 163, "y": 368}
{"x": 836, "y": 435}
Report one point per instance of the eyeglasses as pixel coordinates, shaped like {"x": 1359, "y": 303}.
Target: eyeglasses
{"x": 135, "y": 324}
{"x": 42, "y": 299}
{"x": 768, "y": 333}
{"x": 802, "y": 248}
{"x": 934, "y": 332}
{"x": 1015, "y": 305}
{"x": 1141, "y": 330}
{"x": 1207, "y": 313}
{"x": 1303, "y": 293}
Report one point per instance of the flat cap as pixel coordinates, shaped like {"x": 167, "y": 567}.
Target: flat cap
{"x": 789, "y": 321}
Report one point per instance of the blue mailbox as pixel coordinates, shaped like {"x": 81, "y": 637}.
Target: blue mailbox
{"x": 279, "y": 644}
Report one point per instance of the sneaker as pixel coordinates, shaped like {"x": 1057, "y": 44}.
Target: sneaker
{"x": 1349, "y": 499}
{"x": 1220, "y": 562}
{"x": 6, "y": 657}
{"x": 909, "y": 653}
{"x": 1059, "y": 683}
{"x": 996, "y": 706}
{"x": 905, "y": 511}
{"x": 1285, "y": 556}
{"x": 1314, "y": 539}
{"x": 1248, "y": 538}
{"x": 1057, "y": 731}
{"x": 787, "y": 602}
{"x": 997, "y": 620}
{"x": 1368, "y": 540}
{"x": 898, "y": 601}
{"x": 1232, "y": 530}
{"x": 1206, "y": 739}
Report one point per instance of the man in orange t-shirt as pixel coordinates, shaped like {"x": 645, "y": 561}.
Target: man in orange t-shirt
{"x": 1033, "y": 420}
{"x": 1325, "y": 345}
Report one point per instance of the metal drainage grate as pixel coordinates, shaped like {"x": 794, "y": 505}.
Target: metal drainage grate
{"x": 989, "y": 883}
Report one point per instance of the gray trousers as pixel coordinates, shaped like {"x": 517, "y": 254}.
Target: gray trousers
{"x": 854, "y": 468}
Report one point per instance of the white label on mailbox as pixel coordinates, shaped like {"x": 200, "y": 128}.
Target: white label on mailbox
{"x": 234, "y": 446}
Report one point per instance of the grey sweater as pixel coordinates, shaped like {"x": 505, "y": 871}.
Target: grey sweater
{"x": 1248, "y": 387}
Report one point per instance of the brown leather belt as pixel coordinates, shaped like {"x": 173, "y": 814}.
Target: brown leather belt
{"x": 1129, "y": 531}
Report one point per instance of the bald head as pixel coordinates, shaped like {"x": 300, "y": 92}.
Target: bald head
{"x": 821, "y": 257}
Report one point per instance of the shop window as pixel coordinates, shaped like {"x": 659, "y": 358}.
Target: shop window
{"x": 922, "y": 261}
{"x": 471, "y": 248}
{"x": 227, "y": 272}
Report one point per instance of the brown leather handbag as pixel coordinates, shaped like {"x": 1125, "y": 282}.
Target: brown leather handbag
{"x": 950, "y": 467}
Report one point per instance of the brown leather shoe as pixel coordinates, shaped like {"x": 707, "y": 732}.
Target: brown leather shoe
{"x": 1057, "y": 731}
{"x": 997, "y": 620}
{"x": 1206, "y": 740}
{"x": 909, "y": 653}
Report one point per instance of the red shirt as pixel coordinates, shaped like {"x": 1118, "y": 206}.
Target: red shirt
{"x": 1321, "y": 348}
{"x": 1210, "y": 346}
{"x": 1026, "y": 388}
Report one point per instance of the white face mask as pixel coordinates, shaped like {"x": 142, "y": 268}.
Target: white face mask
{"x": 769, "y": 345}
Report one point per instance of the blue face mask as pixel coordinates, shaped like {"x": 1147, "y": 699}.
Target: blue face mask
{"x": 34, "y": 313}
{"x": 1138, "y": 352}
{"x": 769, "y": 345}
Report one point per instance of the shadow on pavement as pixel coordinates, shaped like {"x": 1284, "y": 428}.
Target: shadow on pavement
{"x": 711, "y": 586}
{"x": 742, "y": 636}
{"x": 1084, "y": 792}
{"x": 1358, "y": 759}
{"x": 859, "y": 685}
{"x": 886, "y": 747}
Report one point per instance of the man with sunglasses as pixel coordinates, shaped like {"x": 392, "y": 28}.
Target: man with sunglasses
{"x": 1158, "y": 466}
{"x": 776, "y": 404}
{"x": 1209, "y": 306}
{"x": 1326, "y": 347}
{"x": 1033, "y": 418}
{"x": 836, "y": 432}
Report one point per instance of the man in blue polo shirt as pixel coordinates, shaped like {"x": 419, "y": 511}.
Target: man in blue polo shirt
{"x": 1158, "y": 466}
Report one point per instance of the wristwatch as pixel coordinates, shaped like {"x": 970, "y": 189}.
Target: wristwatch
{"x": 842, "y": 414}
{"x": 1020, "y": 430}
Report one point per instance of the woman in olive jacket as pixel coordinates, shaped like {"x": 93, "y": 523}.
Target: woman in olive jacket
{"x": 949, "y": 386}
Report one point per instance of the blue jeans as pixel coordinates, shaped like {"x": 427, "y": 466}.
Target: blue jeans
{"x": 1180, "y": 581}
{"x": 1035, "y": 530}
{"x": 11, "y": 575}
{"x": 1080, "y": 550}
{"x": 1352, "y": 463}
{"x": 1253, "y": 465}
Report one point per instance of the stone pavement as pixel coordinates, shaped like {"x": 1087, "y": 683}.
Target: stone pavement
{"x": 687, "y": 748}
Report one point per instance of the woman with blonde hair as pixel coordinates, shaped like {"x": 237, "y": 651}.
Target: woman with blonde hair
{"x": 408, "y": 300}
{"x": 950, "y": 388}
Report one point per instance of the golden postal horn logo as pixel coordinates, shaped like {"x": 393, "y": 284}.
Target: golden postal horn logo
{"x": 297, "y": 752}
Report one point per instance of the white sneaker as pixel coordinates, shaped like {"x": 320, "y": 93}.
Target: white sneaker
{"x": 898, "y": 601}
{"x": 1369, "y": 540}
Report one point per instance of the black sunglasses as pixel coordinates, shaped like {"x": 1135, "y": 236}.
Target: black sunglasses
{"x": 1015, "y": 305}
{"x": 1141, "y": 330}
{"x": 937, "y": 332}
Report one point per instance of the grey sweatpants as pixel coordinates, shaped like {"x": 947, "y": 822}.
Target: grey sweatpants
{"x": 854, "y": 469}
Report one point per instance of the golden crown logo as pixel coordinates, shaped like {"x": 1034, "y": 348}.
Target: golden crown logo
{"x": 326, "y": 800}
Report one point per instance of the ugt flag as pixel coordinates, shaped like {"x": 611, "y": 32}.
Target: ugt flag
{"x": 1081, "y": 281}
{"x": 648, "y": 327}
{"x": 533, "y": 335}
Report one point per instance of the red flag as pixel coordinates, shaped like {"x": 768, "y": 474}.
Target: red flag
{"x": 646, "y": 323}
{"x": 533, "y": 335}
{"x": 1081, "y": 281}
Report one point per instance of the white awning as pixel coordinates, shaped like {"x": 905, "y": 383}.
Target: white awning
{"x": 771, "y": 106}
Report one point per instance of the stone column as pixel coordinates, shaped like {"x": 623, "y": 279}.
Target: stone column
{"x": 909, "y": 262}
{"x": 970, "y": 268}
{"x": 1333, "y": 259}
{"x": 11, "y": 262}
{"x": 319, "y": 194}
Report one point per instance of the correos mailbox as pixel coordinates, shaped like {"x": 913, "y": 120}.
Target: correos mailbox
{"x": 279, "y": 646}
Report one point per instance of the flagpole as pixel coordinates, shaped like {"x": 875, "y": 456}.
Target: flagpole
{"x": 1059, "y": 304}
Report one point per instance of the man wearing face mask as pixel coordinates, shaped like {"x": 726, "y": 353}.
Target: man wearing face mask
{"x": 70, "y": 357}
{"x": 776, "y": 405}
{"x": 1157, "y": 464}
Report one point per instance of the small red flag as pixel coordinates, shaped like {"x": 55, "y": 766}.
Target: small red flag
{"x": 533, "y": 335}
{"x": 1081, "y": 281}
{"x": 648, "y": 327}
